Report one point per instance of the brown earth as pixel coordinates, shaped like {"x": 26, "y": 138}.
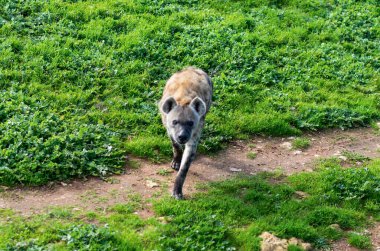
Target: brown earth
{"x": 153, "y": 180}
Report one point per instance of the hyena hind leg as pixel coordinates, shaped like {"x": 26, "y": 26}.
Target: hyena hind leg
{"x": 177, "y": 155}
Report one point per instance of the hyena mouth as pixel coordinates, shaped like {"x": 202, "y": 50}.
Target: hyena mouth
{"x": 183, "y": 139}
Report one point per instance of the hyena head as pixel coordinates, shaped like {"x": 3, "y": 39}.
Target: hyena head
{"x": 182, "y": 121}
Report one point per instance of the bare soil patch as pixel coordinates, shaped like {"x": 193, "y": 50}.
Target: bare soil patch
{"x": 154, "y": 180}
{"x": 271, "y": 154}
{"x": 373, "y": 232}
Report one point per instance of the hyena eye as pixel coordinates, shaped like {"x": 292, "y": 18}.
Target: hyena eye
{"x": 190, "y": 123}
{"x": 175, "y": 122}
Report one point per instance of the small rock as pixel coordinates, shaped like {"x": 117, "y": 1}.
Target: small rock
{"x": 266, "y": 235}
{"x": 290, "y": 138}
{"x": 335, "y": 226}
{"x": 76, "y": 209}
{"x": 235, "y": 169}
{"x": 306, "y": 246}
{"x": 298, "y": 152}
{"x": 286, "y": 145}
{"x": 63, "y": 184}
{"x": 344, "y": 158}
{"x": 163, "y": 220}
{"x": 151, "y": 184}
{"x": 317, "y": 155}
{"x": 301, "y": 194}
{"x": 272, "y": 243}
{"x": 4, "y": 188}
{"x": 293, "y": 241}
{"x": 337, "y": 153}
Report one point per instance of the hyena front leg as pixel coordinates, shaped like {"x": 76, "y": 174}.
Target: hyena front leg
{"x": 188, "y": 157}
{"x": 177, "y": 155}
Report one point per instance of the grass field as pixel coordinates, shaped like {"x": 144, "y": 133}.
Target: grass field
{"x": 227, "y": 215}
{"x": 79, "y": 80}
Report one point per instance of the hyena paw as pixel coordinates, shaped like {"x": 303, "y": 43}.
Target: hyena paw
{"x": 177, "y": 196}
{"x": 175, "y": 165}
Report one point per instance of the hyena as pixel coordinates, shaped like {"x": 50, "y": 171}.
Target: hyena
{"x": 183, "y": 106}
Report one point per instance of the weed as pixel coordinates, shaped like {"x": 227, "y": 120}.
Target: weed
{"x": 359, "y": 241}
{"x": 112, "y": 180}
{"x": 164, "y": 172}
{"x": 209, "y": 233}
{"x": 60, "y": 213}
{"x": 134, "y": 164}
{"x": 122, "y": 208}
{"x": 300, "y": 143}
{"x": 91, "y": 215}
{"x": 294, "y": 248}
{"x": 80, "y": 237}
{"x": 376, "y": 127}
{"x": 90, "y": 195}
{"x": 278, "y": 172}
{"x": 251, "y": 145}
{"x": 251, "y": 155}
{"x": 355, "y": 157}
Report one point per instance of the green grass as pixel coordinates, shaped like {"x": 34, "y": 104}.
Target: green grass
{"x": 294, "y": 248}
{"x": 226, "y": 215}
{"x": 300, "y": 143}
{"x": 359, "y": 241}
{"x": 79, "y": 80}
{"x": 354, "y": 157}
{"x": 251, "y": 155}
{"x": 164, "y": 172}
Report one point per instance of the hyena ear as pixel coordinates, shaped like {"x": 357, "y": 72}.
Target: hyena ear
{"x": 168, "y": 105}
{"x": 199, "y": 106}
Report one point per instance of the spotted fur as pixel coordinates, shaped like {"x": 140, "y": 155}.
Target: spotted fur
{"x": 183, "y": 106}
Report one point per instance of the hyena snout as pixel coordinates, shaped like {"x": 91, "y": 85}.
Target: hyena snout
{"x": 183, "y": 137}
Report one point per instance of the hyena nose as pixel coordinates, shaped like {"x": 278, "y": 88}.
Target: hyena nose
{"x": 182, "y": 138}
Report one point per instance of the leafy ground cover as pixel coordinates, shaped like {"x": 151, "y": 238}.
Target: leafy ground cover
{"x": 79, "y": 80}
{"x": 228, "y": 215}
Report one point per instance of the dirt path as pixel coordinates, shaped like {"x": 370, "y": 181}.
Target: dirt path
{"x": 152, "y": 180}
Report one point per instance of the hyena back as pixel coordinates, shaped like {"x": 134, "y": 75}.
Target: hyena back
{"x": 183, "y": 106}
